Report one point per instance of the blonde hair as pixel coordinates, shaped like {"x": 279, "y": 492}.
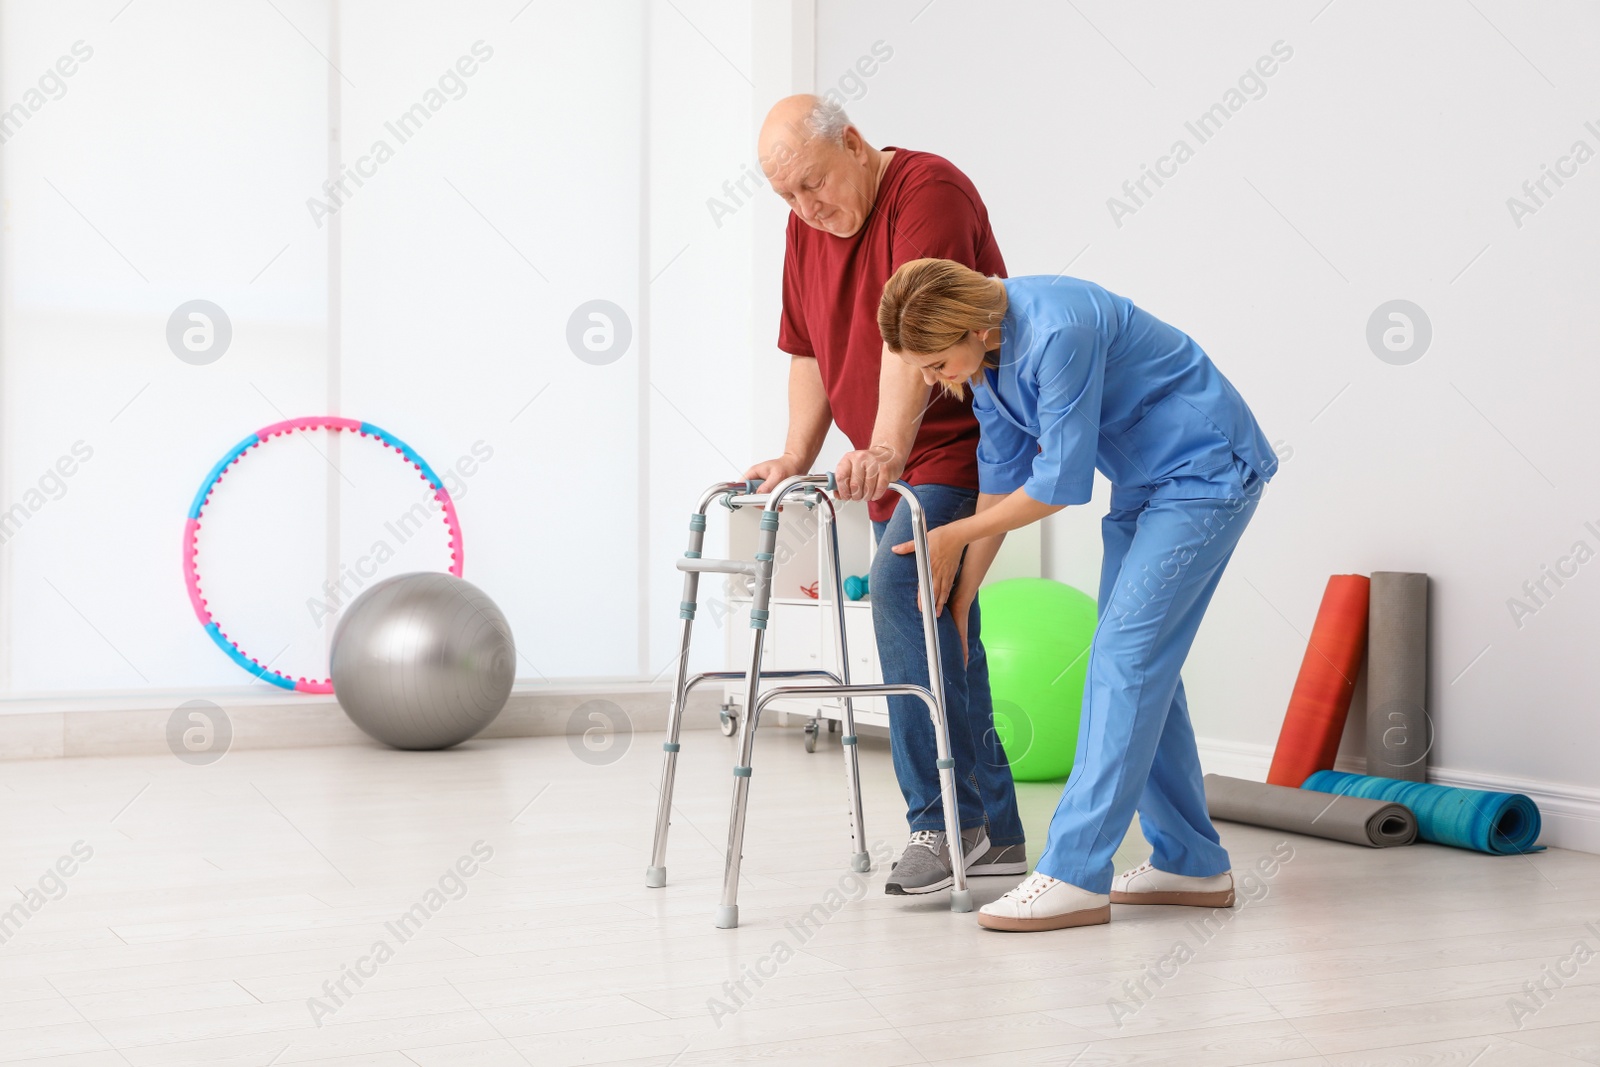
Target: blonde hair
{"x": 931, "y": 304}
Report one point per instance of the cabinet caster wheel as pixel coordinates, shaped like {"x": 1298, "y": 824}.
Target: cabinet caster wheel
{"x": 729, "y": 722}
{"x": 811, "y": 735}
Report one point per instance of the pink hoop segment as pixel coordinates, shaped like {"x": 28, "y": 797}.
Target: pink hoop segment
{"x": 191, "y": 532}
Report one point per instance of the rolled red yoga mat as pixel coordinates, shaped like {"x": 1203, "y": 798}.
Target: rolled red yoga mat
{"x": 1314, "y": 723}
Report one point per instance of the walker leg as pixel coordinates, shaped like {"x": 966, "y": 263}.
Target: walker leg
{"x": 727, "y": 916}
{"x": 655, "y": 875}
{"x": 728, "y": 911}
{"x": 960, "y": 896}
{"x": 860, "y": 861}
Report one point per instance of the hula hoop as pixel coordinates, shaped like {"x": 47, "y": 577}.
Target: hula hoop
{"x": 191, "y": 532}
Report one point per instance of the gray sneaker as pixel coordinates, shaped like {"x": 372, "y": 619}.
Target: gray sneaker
{"x": 925, "y": 867}
{"x": 1001, "y": 859}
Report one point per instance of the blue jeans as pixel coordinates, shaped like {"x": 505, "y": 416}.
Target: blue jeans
{"x": 985, "y": 794}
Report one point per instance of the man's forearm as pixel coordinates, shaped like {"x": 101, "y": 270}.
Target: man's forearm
{"x": 809, "y": 412}
{"x": 902, "y": 398}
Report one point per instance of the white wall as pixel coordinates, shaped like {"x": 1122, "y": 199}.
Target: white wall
{"x": 1375, "y": 165}
{"x": 702, "y": 196}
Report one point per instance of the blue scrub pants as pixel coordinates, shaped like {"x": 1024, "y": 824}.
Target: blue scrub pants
{"x": 1136, "y": 748}
{"x": 985, "y": 795}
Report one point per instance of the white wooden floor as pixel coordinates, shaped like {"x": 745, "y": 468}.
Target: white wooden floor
{"x": 218, "y": 900}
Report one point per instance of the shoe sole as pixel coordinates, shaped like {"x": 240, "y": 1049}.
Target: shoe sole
{"x": 982, "y": 869}
{"x": 1222, "y": 898}
{"x": 894, "y": 889}
{"x": 1084, "y": 917}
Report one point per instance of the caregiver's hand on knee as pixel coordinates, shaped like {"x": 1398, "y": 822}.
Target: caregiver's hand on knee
{"x": 866, "y": 473}
{"x": 945, "y": 545}
{"x": 995, "y": 516}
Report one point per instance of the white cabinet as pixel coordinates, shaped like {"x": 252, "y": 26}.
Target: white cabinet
{"x": 800, "y": 631}
{"x": 863, "y": 651}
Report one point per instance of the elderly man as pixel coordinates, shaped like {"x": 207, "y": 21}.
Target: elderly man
{"x": 858, "y": 213}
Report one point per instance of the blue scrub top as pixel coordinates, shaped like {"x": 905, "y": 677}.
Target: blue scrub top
{"x": 1087, "y": 380}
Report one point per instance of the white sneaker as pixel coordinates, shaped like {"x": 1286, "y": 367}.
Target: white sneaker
{"x": 1147, "y": 885}
{"x": 1045, "y": 903}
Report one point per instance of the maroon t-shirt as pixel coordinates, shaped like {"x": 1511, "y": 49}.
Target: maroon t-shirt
{"x": 832, "y": 287}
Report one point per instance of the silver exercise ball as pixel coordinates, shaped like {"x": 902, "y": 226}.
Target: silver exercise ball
{"x": 423, "y": 661}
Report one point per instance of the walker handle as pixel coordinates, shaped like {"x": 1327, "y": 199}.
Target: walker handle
{"x": 753, "y": 485}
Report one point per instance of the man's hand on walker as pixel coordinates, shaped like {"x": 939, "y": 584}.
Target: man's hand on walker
{"x": 944, "y": 559}
{"x": 865, "y": 474}
{"x": 773, "y": 471}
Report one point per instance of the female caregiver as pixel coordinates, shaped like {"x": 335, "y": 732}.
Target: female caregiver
{"x": 1067, "y": 378}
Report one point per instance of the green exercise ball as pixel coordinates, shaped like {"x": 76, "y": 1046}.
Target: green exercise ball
{"x": 1036, "y": 633}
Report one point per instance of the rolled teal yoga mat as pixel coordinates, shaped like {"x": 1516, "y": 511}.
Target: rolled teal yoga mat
{"x": 1497, "y": 823}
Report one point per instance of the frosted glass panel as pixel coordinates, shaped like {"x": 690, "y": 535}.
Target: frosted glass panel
{"x": 498, "y": 163}
{"x": 150, "y": 161}
{"x": 426, "y": 216}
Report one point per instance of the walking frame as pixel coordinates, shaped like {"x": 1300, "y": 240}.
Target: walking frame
{"x": 809, "y": 491}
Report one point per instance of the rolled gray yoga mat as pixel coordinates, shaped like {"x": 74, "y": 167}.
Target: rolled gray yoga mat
{"x": 1399, "y": 731}
{"x": 1357, "y": 820}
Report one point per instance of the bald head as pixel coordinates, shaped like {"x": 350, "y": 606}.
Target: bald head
{"x": 820, "y": 164}
{"x": 796, "y": 120}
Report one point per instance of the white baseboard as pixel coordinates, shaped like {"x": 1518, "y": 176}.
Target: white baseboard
{"x": 91, "y": 725}
{"x": 1570, "y": 813}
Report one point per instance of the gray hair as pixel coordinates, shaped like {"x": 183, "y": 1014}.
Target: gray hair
{"x": 828, "y": 120}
